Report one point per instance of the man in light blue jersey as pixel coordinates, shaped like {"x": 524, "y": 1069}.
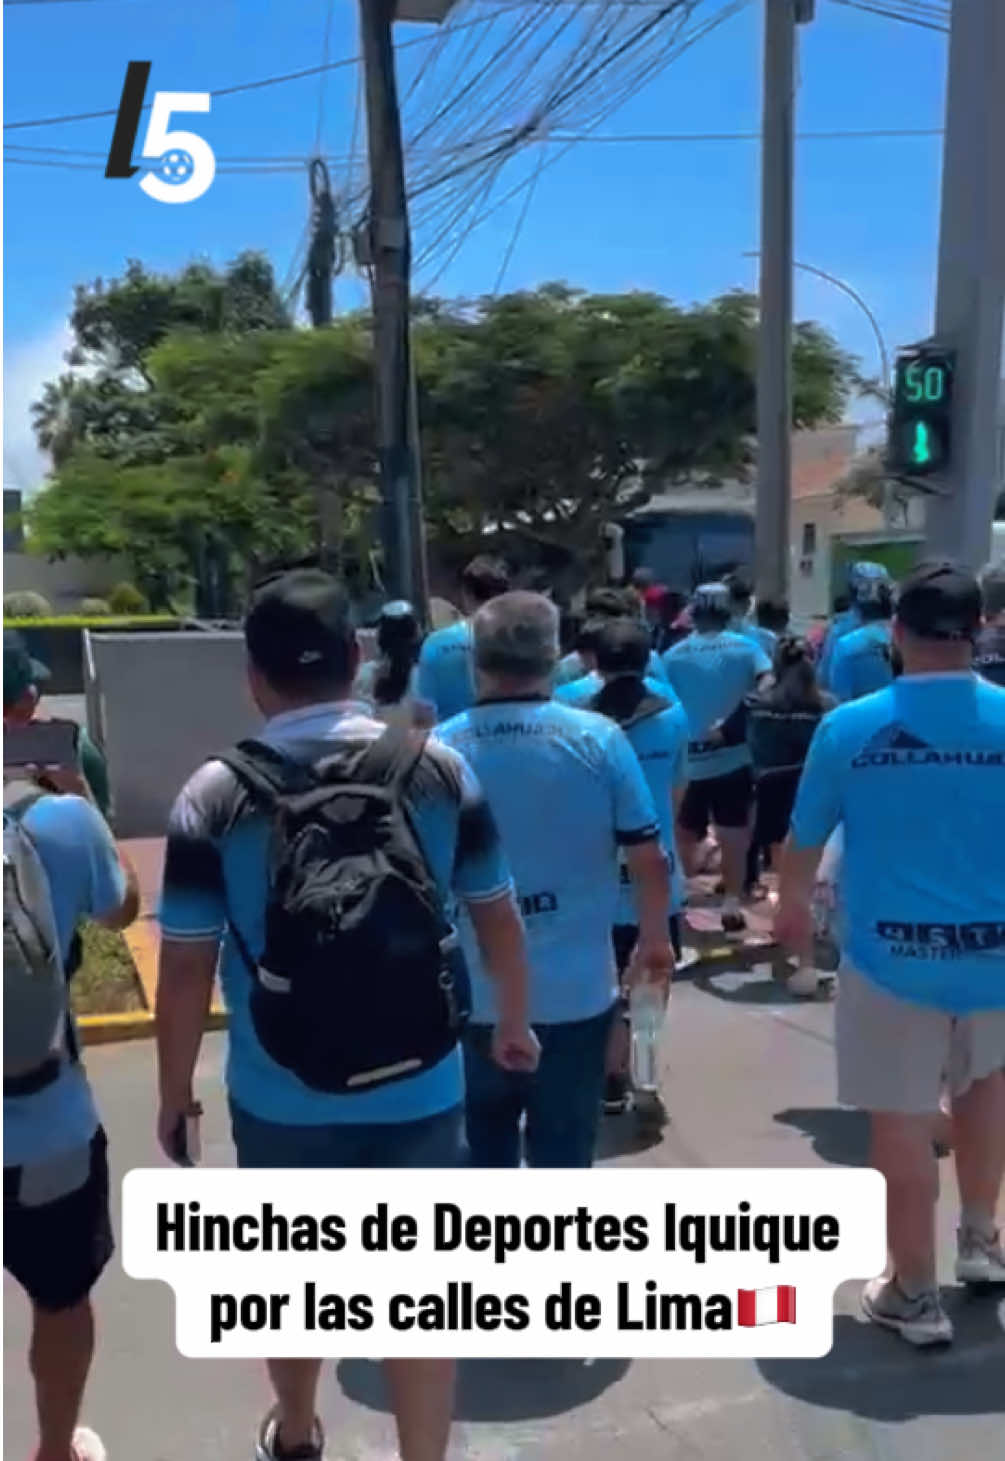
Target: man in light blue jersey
{"x": 568, "y": 794}
{"x": 219, "y": 908}
{"x": 915, "y": 777}
{"x": 602, "y": 604}
{"x": 657, "y": 730}
{"x": 772, "y": 622}
{"x": 445, "y": 678}
{"x": 860, "y": 575}
{"x": 711, "y": 671}
{"x": 862, "y": 660}
{"x": 57, "y": 1221}
{"x": 581, "y": 691}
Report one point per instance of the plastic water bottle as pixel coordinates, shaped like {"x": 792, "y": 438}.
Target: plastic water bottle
{"x": 646, "y": 1011}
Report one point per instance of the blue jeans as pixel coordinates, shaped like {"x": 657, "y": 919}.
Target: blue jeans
{"x": 435, "y": 1141}
{"x": 560, "y": 1101}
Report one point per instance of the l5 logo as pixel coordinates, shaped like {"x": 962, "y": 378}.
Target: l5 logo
{"x": 181, "y": 166}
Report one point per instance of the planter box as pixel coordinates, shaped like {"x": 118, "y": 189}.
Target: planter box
{"x": 58, "y": 643}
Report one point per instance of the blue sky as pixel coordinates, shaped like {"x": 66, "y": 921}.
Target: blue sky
{"x": 673, "y": 217}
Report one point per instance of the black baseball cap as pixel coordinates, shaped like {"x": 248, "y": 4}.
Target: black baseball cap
{"x": 20, "y": 670}
{"x": 940, "y": 599}
{"x": 299, "y": 629}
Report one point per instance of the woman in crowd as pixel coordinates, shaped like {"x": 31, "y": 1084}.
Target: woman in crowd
{"x": 781, "y": 719}
{"x": 390, "y": 682}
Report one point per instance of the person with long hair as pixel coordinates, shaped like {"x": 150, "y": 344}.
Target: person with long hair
{"x": 782, "y": 716}
{"x": 390, "y": 682}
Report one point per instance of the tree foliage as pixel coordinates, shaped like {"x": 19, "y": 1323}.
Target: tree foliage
{"x": 203, "y": 423}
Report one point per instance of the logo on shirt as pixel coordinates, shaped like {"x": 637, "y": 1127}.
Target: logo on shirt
{"x": 531, "y": 903}
{"x": 941, "y": 940}
{"x": 895, "y": 746}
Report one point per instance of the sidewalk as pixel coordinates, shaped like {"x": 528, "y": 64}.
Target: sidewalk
{"x": 749, "y": 1083}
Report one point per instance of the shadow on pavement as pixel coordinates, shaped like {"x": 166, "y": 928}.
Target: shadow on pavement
{"x": 839, "y": 1135}
{"x": 875, "y": 1375}
{"x": 499, "y": 1390}
{"x": 622, "y": 1136}
{"x": 752, "y": 991}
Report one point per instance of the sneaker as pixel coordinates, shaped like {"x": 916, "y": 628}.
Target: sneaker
{"x": 650, "y": 1112}
{"x": 804, "y": 982}
{"x": 269, "y": 1448}
{"x": 734, "y": 922}
{"x": 86, "y": 1446}
{"x": 616, "y": 1099}
{"x": 979, "y": 1259}
{"x": 921, "y": 1321}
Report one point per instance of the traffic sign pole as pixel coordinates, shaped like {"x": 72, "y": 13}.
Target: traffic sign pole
{"x": 971, "y": 288}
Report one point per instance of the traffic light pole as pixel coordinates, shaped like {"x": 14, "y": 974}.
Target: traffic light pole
{"x": 774, "y": 335}
{"x": 971, "y": 286}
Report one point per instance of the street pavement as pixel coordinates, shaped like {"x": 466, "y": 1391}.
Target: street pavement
{"x": 749, "y": 1080}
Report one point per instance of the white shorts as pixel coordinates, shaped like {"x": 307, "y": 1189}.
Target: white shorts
{"x": 895, "y": 1056}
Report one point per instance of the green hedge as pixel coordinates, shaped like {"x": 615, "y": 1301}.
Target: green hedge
{"x": 94, "y": 621}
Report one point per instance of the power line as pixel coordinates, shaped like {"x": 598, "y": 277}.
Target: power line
{"x": 323, "y": 84}
{"x": 518, "y": 227}
{"x": 423, "y": 40}
{"x": 290, "y": 163}
{"x": 916, "y": 17}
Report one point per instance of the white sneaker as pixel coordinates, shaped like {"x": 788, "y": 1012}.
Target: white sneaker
{"x": 804, "y": 982}
{"x": 922, "y": 1321}
{"x": 86, "y": 1446}
{"x": 267, "y": 1444}
{"x": 979, "y": 1259}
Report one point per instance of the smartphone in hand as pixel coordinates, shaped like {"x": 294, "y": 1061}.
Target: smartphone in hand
{"x": 41, "y": 743}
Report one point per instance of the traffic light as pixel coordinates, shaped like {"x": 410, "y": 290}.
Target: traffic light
{"x": 921, "y": 418}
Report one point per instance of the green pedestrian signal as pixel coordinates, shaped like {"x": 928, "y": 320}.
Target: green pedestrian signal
{"x": 922, "y": 451}
{"x": 921, "y": 415}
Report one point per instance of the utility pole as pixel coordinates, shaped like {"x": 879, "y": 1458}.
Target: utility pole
{"x": 971, "y": 289}
{"x": 774, "y": 336}
{"x": 390, "y": 249}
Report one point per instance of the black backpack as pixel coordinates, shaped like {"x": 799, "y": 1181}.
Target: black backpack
{"x": 361, "y": 980}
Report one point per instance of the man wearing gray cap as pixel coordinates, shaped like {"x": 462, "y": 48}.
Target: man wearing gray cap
{"x": 567, "y": 792}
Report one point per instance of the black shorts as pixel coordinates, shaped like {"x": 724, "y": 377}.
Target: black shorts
{"x": 57, "y": 1249}
{"x": 725, "y": 801}
{"x": 776, "y": 796}
{"x": 624, "y": 936}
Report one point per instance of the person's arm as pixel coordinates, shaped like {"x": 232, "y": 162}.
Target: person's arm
{"x": 114, "y": 898}
{"x": 649, "y": 871}
{"x": 842, "y": 673}
{"x": 816, "y": 814}
{"x": 184, "y": 991}
{"x": 193, "y": 917}
{"x": 682, "y": 771}
{"x": 481, "y": 879}
{"x": 503, "y": 947}
{"x": 128, "y": 909}
{"x": 426, "y": 680}
{"x": 637, "y": 832}
{"x": 95, "y": 770}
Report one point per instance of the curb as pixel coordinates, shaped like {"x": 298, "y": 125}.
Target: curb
{"x": 142, "y": 940}
{"x": 135, "y": 1025}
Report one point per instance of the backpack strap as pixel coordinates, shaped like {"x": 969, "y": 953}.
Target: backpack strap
{"x": 392, "y": 758}
{"x": 266, "y": 774}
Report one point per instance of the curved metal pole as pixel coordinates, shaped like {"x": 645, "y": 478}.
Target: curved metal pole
{"x": 852, "y": 294}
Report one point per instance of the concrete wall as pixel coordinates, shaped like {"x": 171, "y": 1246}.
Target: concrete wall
{"x": 64, "y": 583}
{"x": 167, "y": 703}
{"x": 160, "y": 705}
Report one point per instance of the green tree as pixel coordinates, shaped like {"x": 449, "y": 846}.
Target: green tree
{"x": 548, "y": 412}
{"x": 108, "y": 402}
